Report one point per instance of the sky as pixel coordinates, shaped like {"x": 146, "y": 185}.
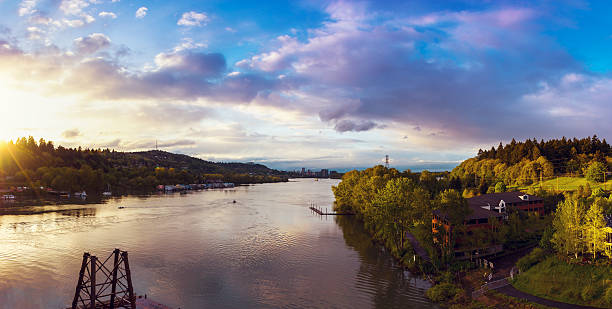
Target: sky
{"x": 315, "y": 84}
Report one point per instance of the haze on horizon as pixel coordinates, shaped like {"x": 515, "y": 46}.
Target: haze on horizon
{"x": 326, "y": 84}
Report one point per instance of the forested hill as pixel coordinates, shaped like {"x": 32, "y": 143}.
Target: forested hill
{"x": 156, "y": 158}
{"x": 32, "y": 163}
{"x": 523, "y": 163}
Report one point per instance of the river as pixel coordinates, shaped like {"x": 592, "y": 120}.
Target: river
{"x": 202, "y": 250}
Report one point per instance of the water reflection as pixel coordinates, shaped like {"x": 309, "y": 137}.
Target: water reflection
{"x": 378, "y": 273}
{"x": 201, "y": 250}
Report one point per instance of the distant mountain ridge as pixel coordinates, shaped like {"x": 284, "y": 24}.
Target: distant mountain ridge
{"x": 159, "y": 158}
{"x": 26, "y": 162}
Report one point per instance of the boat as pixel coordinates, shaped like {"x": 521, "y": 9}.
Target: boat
{"x": 81, "y": 194}
{"x": 108, "y": 191}
{"x": 8, "y": 197}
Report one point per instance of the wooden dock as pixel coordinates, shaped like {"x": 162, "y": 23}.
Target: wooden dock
{"x": 323, "y": 212}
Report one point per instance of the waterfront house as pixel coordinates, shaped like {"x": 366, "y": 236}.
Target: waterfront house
{"x": 479, "y": 223}
{"x": 501, "y": 201}
{"x": 608, "y": 233}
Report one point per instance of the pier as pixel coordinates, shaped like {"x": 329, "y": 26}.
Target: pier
{"x": 320, "y": 211}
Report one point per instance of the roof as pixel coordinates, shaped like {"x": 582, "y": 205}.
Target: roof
{"x": 476, "y": 203}
{"x": 477, "y": 213}
{"x": 608, "y": 219}
{"x": 493, "y": 199}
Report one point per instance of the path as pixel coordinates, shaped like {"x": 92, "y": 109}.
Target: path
{"x": 417, "y": 247}
{"x": 509, "y": 290}
{"x": 504, "y": 264}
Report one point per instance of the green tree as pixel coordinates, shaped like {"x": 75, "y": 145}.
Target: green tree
{"x": 594, "y": 228}
{"x": 398, "y": 206}
{"x": 567, "y": 223}
{"x": 595, "y": 171}
{"x": 500, "y": 187}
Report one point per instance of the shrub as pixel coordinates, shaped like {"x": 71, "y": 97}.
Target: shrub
{"x": 443, "y": 291}
{"x": 500, "y": 187}
{"x": 534, "y": 257}
{"x": 589, "y": 293}
{"x": 608, "y": 296}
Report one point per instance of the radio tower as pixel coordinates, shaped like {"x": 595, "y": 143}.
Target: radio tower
{"x": 387, "y": 161}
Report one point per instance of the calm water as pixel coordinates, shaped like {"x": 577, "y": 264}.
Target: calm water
{"x": 200, "y": 250}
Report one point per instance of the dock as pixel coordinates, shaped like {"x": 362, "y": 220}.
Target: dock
{"x": 321, "y": 212}
{"x": 143, "y": 303}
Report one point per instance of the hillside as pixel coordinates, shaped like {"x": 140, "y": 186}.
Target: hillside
{"x": 529, "y": 162}
{"x": 158, "y": 158}
{"x": 26, "y": 162}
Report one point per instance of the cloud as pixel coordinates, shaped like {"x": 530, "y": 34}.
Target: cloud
{"x": 72, "y": 133}
{"x": 27, "y": 7}
{"x": 105, "y": 14}
{"x": 74, "y": 23}
{"x": 192, "y": 18}
{"x": 141, "y": 12}
{"x": 445, "y": 73}
{"x": 349, "y": 125}
{"x": 91, "y": 43}
{"x": 73, "y": 7}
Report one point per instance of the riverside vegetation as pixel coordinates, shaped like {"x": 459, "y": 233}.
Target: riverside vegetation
{"x": 26, "y": 162}
{"x": 389, "y": 203}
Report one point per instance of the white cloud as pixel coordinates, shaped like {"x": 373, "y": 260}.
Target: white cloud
{"x": 190, "y": 19}
{"x": 35, "y": 33}
{"x": 73, "y": 7}
{"x": 88, "y": 18}
{"x": 141, "y": 12}
{"x": 74, "y": 23}
{"x": 92, "y": 43}
{"x": 104, "y": 14}
{"x": 27, "y": 7}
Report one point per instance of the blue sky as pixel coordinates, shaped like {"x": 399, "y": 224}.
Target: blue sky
{"x": 320, "y": 84}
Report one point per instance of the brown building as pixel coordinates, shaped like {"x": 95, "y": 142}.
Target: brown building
{"x": 484, "y": 208}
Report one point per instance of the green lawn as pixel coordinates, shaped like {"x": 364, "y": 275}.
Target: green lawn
{"x": 568, "y": 184}
{"x": 570, "y": 283}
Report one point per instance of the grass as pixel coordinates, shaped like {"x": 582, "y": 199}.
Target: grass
{"x": 570, "y": 283}
{"x": 565, "y": 183}
{"x": 498, "y": 300}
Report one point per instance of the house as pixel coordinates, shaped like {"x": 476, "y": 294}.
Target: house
{"x": 485, "y": 208}
{"x": 501, "y": 201}
{"x": 479, "y": 219}
{"x": 608, "y": 231}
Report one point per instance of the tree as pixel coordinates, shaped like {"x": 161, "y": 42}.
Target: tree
{"x": 398, "y": 206}
{"x": 567, "y": 223}
{"x": 595, "y": 171}
{"x": 500, "y": 187}
{"x": 594, "y": 228}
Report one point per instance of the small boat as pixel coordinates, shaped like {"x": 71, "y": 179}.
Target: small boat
{"x": 8, "y": 197}
{"x": 108, "y": 191}
{"x": 81, "y": 194}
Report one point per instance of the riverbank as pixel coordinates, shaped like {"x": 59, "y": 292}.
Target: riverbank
{"x": 555, "y": 279}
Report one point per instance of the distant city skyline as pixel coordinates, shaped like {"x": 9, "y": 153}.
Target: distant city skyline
{"x": 322, "y": 84}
